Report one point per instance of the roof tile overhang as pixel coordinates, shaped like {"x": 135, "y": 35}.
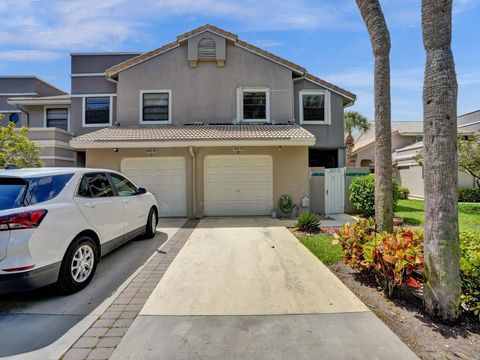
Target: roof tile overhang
{"x": 195, "y": 135}
{"x": 40, "y": 100}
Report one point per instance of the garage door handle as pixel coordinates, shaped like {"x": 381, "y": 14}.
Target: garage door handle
{"x": 90, "y": 205}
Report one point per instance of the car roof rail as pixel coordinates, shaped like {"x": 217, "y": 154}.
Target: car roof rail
{"x": 11, "y": 167}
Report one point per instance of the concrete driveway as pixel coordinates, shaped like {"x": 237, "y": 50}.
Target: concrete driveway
{"x": 247, "y": 289}
{"x": 35, "y": 324}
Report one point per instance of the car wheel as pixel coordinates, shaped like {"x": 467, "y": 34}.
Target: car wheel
{"x": 151, "y": 227}
{"x": 78, "y": 265}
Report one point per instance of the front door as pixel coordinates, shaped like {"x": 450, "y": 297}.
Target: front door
{"x": 334, "y": 191}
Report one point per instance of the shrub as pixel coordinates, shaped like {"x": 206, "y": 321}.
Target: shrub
{"x": 470, "y": 271}
{"x": 395, "y": 259}
{"x": 469, "y": 195}
{"x": 403, "y": 193}
{"x": 362, "y": 194}
{"x": 308, "y": 223}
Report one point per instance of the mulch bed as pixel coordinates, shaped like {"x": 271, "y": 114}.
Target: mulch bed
{"x": 404, "y": 316}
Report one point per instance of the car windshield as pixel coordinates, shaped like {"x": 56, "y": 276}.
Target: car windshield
{"x": 18, "y": 192}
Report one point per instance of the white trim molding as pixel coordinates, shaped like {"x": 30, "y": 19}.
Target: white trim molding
{"x": 240, "y": 92}
{"x": 110, "y": 111}
{"x": 10, "y": 111}
{"x": 140, "y": 110}
{"x": 87, "y": 74}
{"x": 187, "y": 143}
{"x": 18, "y": 94}
{"x": 45, "y": 108}
{"x": 327, "y": 107}
{"x": 92, "y": 95}
{"x": 53, "y": 144}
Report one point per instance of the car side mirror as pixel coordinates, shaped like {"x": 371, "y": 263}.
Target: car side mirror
{"x": 142, "y": 190}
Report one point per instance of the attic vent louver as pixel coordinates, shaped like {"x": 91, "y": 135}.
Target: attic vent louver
{"x": 207, "y": 49}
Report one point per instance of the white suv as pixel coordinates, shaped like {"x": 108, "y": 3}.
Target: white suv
{"x": 56, "y": 223}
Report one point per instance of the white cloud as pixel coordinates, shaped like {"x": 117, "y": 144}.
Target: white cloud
{"x": 30, "y": 55}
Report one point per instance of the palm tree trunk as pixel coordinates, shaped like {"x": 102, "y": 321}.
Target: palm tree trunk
{"x": 442, "y": 250}
{"x": 380, "y": 38}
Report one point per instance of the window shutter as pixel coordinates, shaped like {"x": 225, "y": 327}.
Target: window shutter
{"x": 207, "y": 49}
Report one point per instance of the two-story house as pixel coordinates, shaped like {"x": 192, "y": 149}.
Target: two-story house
{"x": 211, "y": 124}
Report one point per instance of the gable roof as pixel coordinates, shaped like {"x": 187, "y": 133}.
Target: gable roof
{"x": 114, "y": 70}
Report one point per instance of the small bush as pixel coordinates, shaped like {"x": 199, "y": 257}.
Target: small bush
{"x": 395, "y": 259}
{"x": 362, "y": 194}
{"x": 470, "y": 271}
{"x": 469, "y": 195}
{"x": 403, "y": 193}
{"x": 308, "y": 223}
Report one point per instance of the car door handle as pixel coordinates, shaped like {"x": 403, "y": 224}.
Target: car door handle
{"x": 90, "y": 205}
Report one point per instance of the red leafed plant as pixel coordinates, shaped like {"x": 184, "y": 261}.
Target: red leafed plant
{"x": 395, "y": 259}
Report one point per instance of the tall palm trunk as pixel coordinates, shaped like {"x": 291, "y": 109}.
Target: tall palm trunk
{"x": 442, "y": 250}
{"x": 380, "y": 38}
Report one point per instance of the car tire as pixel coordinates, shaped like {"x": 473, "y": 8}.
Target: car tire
{"x": 151, "y": 227}
{"x": 78, "y": 265}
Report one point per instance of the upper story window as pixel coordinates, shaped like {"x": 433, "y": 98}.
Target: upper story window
{"x": 254, "y": 104}
{"x": 56, "y": 117}
{"x": 155, "y": 107}
{"x": 97, "y": 111}
{"x": 14, "y": 117}
{"x": 314, "y": 107}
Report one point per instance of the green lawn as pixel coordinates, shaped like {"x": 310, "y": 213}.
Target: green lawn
{"x": 321, "y": 246}
{"x": 412, "y": 212}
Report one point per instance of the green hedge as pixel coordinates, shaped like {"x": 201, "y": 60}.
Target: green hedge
{"x": 403, "y": 193}
{"x": 362, "y": 194}
{"x": 470, "y": 271}
{"x": 469, "y": 195}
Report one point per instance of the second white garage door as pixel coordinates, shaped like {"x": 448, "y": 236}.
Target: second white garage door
{"x": 164, "y": 177}
{"x": 238, "y": 185}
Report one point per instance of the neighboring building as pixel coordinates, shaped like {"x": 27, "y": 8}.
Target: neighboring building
{"x": 210, "y": 124}
{"x": 404, "y": 133}
{"x": 410, "y": 174}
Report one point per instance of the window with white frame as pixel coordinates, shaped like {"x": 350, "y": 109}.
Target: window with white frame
{"x": 314, "y": 107}
{"x": 56, "y": 117}
{"x": 97, "y": 111}
{"x": 155, "y": 106}
{"x": 254, "y": 104}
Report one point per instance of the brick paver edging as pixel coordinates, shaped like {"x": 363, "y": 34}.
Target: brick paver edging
{"x": 103, "y": 336}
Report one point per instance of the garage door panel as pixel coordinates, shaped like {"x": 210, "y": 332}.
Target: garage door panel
{"x": 165, "y": 177}
{"x": 238, "y": 185}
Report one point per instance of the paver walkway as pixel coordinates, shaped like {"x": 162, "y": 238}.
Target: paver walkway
{"x": 247, "y": 289}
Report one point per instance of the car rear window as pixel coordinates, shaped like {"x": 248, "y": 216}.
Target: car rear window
{"x": 17, "y": 192}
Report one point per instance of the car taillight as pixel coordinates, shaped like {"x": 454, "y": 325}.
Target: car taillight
{"x": 23, "y": 220}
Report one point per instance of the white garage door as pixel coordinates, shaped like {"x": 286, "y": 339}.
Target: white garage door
{"x": 238, "y": 185}
{"x": 165, "y": 177}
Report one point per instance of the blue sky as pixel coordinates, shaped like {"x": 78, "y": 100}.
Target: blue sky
{"x": 327, "y": 37}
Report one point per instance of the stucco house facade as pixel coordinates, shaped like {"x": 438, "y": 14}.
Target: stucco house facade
{"x": 210, "y": 124}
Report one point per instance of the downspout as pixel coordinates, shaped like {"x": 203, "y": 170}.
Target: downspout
{"x": 194, "y": 183}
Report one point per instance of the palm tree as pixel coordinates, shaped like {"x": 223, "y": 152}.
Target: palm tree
{"x": 380, "y": 38}
{"x": 442, "y": 250}
{"x": 353, "y": 121}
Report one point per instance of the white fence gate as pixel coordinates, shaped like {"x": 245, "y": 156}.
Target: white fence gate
{"x": 335, "y": 191}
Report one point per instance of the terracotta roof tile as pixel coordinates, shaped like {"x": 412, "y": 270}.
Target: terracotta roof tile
{"x": 198, "y": 132}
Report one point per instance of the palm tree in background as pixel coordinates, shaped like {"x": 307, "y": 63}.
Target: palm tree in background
{"x": 380, "y": 39}
{"x": 354, "y": 121}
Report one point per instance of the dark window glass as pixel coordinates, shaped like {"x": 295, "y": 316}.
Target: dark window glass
{"x": 97, "y": 110}
{"x": 254, "y": 105}
{"x": 14, "y": 117}
{"x": 22, "y": 192}
{"x": 123, "y": 186}
{"x": 11, "y": 192}
{"x": 322, "y": 158}
{"x": 57, "y": 118}
{"x": 95, "y": 185}
{"x": 155, "y": 106}
{"x": 313, "y": 107}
